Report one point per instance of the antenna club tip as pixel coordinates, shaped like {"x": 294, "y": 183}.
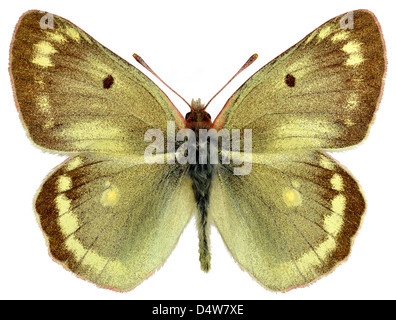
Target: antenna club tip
{"x": 255, "y": 56}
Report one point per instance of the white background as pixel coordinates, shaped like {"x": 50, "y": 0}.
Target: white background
{"x": 196, "y": 46}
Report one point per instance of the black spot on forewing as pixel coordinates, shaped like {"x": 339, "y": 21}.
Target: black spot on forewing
{"x": 108, "y": 82}
{"x": 290, "y": 80}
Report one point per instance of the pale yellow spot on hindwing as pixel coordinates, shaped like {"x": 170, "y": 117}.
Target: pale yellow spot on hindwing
{"x": 354, "y": 50}
{"x": 110, "y": 196}
{"x": 74, "y": 163}
{"x": 63, "y": 204}
{"x": 337, "y": 182}
{"x": 64, "y": 183}
{"x": 68, "y": 223}
{"x": 42, "y": 52}
{"x": 326, "y": 163}
{"x": 334, "y": 221}
{"x": 338, "y": 204}
{"x": 292, "y": 197}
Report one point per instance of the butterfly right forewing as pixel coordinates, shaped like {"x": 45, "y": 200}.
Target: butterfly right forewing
{"x": 321, "y": 93}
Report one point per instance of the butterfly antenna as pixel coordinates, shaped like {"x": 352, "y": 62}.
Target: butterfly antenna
{"x": 144, "y": 64}
{"x": 246, "y": 64}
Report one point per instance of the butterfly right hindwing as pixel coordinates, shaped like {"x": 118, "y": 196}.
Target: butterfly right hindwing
{"x": 291, "y": 220}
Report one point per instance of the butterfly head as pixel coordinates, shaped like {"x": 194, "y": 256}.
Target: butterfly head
{"x": 198, "y": 118}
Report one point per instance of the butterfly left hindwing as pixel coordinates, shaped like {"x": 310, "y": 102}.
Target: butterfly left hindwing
{"x": 114, "y": 220}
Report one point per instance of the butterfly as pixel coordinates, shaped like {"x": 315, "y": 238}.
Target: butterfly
{"x": 112, "y": 218}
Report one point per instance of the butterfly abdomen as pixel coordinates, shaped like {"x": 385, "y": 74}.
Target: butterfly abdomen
{"x": 201, "y": 175}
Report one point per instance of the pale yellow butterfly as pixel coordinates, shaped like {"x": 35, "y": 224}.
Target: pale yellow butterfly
{"x": 113, "y": 219}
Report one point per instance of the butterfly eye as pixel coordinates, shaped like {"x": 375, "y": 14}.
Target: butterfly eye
{"x": 290, "y": 80}
{"x": 187, "y": 115}
{"x": 108, "y": 82}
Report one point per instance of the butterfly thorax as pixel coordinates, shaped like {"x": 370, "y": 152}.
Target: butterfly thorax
{"x": 198, "y": 118}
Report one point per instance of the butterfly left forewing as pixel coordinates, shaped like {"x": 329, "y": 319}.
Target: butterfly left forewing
{"x": 75, "y": 95}
{"x": 320, "y": 94}
{"x": 113, "y": 220}
{"x": 291, "y": 220}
